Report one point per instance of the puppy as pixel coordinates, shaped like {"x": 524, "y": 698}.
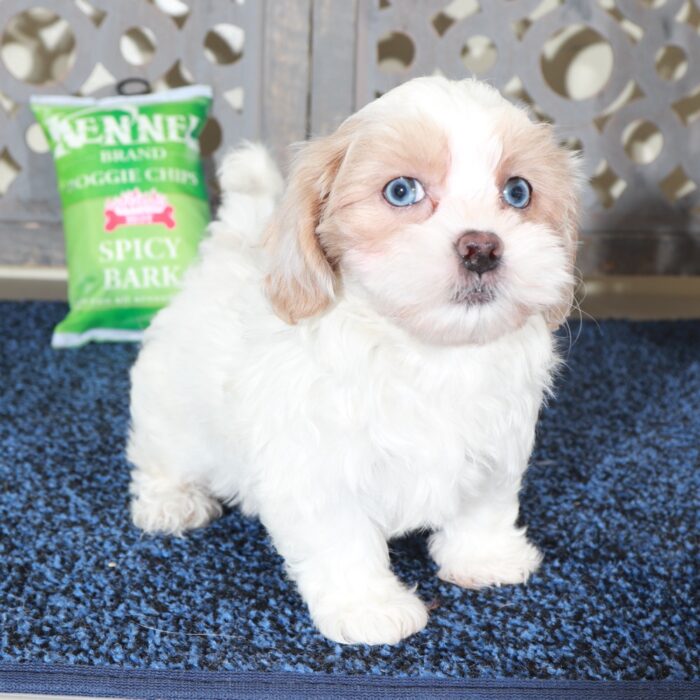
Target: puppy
{"x": 363, "y": 352}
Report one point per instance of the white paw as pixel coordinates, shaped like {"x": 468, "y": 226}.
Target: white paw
{"x": 161, "y": 506}
{"x": 374, "y": 619}
{"x": 494, "y": 561}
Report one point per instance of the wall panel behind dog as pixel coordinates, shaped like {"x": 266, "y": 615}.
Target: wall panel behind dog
{"x": 619, "y": 78}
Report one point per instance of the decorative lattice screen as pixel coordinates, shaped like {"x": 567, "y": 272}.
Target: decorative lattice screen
{"x": 619, "y": 78}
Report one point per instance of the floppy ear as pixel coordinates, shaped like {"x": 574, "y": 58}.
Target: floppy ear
{"x": 301, "y": 279}
{"x": 570, "y": 184}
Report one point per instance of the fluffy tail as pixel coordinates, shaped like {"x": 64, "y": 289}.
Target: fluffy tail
{"x": 250, "y": 170}
{"x": 251, "y": 185}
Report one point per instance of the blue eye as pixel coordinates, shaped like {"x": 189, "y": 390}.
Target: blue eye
{"x": 403, "y": 191}
{"x": 517, "y": 192}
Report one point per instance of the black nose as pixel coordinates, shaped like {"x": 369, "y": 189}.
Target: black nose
{"x": 480, "y": 251}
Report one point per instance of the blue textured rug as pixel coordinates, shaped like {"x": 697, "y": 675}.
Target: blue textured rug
{"x": 611, "y": 499}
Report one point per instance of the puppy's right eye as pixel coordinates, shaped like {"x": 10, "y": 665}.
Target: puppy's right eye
{"x": 403, "y": 191}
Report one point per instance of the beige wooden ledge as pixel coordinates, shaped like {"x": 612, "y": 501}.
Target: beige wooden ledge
{"x": 641, "y": 298}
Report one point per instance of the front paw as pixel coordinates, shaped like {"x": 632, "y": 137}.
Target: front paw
{"x": 160, "y": 505}
{"x": 379, "y": 617}
{"x": 487, "y": 560}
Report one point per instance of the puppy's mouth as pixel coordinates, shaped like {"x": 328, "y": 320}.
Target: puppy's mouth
{"x": 475, "y": 289}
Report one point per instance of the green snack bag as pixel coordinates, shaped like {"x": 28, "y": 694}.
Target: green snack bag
{"x": 134, "y": 202}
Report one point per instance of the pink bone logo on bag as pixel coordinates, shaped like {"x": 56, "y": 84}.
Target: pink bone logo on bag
{"x": 134, "y": 208}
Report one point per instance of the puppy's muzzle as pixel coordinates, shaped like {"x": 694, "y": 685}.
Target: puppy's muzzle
{"x": 480, "y": 251}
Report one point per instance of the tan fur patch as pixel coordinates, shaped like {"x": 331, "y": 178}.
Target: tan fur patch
{"x": 357, "y": 214}
{"x": 530, "y": 151}
{"x": 334, "y": 202}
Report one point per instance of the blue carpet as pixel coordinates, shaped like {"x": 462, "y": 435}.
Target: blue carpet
{"x": 611, "y": 498}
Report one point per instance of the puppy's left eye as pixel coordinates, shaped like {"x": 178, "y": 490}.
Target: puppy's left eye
{"x": 403, "y": 191}
{"x": 517, "y": 192}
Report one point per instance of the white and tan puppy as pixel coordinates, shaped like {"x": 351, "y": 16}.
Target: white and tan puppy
{"x": 364, "y": 351}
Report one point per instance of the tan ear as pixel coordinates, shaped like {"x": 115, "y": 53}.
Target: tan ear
{"x": 571, "y": 183}
{"x": 301, "y": 280}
